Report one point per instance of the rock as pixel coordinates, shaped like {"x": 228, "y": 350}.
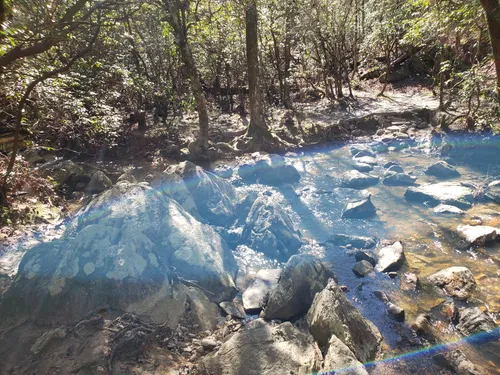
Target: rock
{"x": 34, "y": 156}
{"x": 224, "y": 172}
{"x": 399, "y": 179}
{"x": 357, "y": 180}
{"x": 359, "y": 209}
{"x": 358, "y": 242}
{"x": 471, "y": 320}
{"x": 255, "y": 296}
{"x": 393, "y": 169}
{"x": 445, "y": 209}
{"x": 233, "y": 309}
{"x": 422, "y": 326}
{"x": 442, "y": 170}
{"x": 364, "y": 255}
{"x": 202, "y": 312}
{"x": 396, "y": 312}
{"x": 493, "y": 191}
{"x": 65, "y": 172}
{"x": 209, "y": 343}
{"x": 362, "y": 153}
{"x": 47, "y": 338}
{"x": 98, "y": 183}
{"x": 268, "y": 350}
{"x": 173, "y": 186}
{"x": 214, "y": 197}
{"x": 366, "y": 160}
{"x": 269, "y": 170}
{"x": 128, "y": 176}
{"x": 362, "y": 268}
{"x": 363, "y": 167}
{"x": 390, "y": 258}
{"x": 441, "y": 193}
{"x": 302, "y": 277}
{"x": 124, "y": 251}
{"x": 478, "y": 235}
{"x": 457, "y": 282}
{"x": 269, "y": 229}
{"x": 390, "y": 164}
{"x": 342, "y": 359}
{"x": 409, "y": 282}
{"x": 457, "y": 362}
{"x": 331, "y": 314}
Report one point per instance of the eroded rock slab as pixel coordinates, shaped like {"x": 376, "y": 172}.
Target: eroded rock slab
{"x": 442, "y": 170}
{"x": 457, "y": 282}
{"x": 449, "y": 193}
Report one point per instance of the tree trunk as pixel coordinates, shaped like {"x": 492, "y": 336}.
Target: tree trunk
{"x": 258, "y": 128}
{"x": 492, "y": 9}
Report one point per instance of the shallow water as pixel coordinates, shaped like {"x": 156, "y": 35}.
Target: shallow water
{"x": 316, "y": 205}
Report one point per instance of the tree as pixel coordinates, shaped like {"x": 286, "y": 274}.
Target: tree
{"x": 176, "y": 15}
{"x": 492, "y": 10}
{"x": 258, "y": 128}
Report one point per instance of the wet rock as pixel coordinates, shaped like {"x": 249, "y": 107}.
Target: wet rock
{"x": 362, "y": 268}
{"x": 358, "y": 242}
{"x": 442, "y": 193}
{"x": 214, "y": 197}
{"x": 364, "y": 255}
{"x": 357, "y": 180}
{"x": 363, "y": 152}
{"x": 366, "y": 160}
{"x": 395, "y": 312}
{"x": 457, "y": 362}
{"x": 264, "y": 349}
{"x": 390, "y": 258}
{"x": 47, "y": 338}
{"x": 269, "y": 170}
{"x": 399, "y": 179}
{"x": 98, "y": 183}
{"x": 127, "y": 177}
{"x": 442, "y": 170}
{"x": 470, "y": 320}
{"x": 457, "y": 282}
{"x": 269, "y": 229}
{"x": 409, "y": 282}
{"x": 445, "y": 209}
{"x": 422, "y": 326}
{"x": 302, "y": 277}
{"x": 390, "y": 164}
{"x": 493, "y": 191}
{"x": 393, "y": 169}
{"x": 478, "y": 235}
{"x": 255, "y": 296}
{"x": 339, "y": 356}
{"x": 124, "y": 251}
{"x": 359, "y": 209}
{"x": 332, "y": 314}
{"x": 233, "y": 309}
{"x": 363, "y": 167}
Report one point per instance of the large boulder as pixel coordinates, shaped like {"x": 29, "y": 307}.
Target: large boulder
{"x": 442, "y": 193}
{"x": 478, "y": 235}
{"x": 390, "y": 258}
{"x": 269, "y": 170}
{"x": 442, "y": 170}
{"x": 269, "y": 229}
{"x": 470, "y": 320}
{"x": 457, "y": 282}
{"x": 341, "y": 359}
{"x": 300, "y": 280}
{"x": 331, "y": 314}
{"x": 129, "y": 250}
{"x": 65, "y": 172}
{"x": 357, "y": 180}
{"x": 215, "y": 198}
{"x": 261, "y": 348}
{"x": 255, "y": 296}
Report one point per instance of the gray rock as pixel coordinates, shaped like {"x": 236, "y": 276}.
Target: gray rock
{"x": 224, "y": 172}
{"x": 478, "y": 235}
{"x": 269, "y": 229}
{"x": 457, "y": 362}
{"x": 124, "y": 251}
{"x": 268, "y": 350}
{"x": 98, "y": 183}
{"x": 366, "y": 160}
{"x": 442, "y": 170}
{"x": 209, "y": 343}
{"x": 214, "y": 197}
{"x": 342, "y": 359}
{"x": 363, "y": 167}
{"x": 233, "y": 309}
{"x": 390, "y": 258}
{"x": 399, "y": 179}
{"x": 269, "y": 170}
{"x": 302, "y": 277}
{"x": 390, "y": 164}
{"x": 442, "y": 193}
{"x": 358, "y": 242}
{"x": 493, "y": 191}
{"x": 63, "y": 172}
{"x": 363, "y": 149}
{"x": 202, "y": 311}
{"x": 359, "y": 209}
{"x": 393, "y": 169}
{"x": 362, "y": 153}
{"x": 128, "y": 176}
{"x": 423, "y": 327}
{"x": 357, "y": 180}
{"x": 457, "y": 282}
{"x": 362, "y": 268}
{"x": 255, "y": 296}
{"x": 409, "y": 282}
{"x": 331, "y": 314}
{"x": 364, "y": 255}
{"x": 445, "y": 209}
{"x": 395, "y": 312}
{"x": 48, "y": 337}
{"x": 471, "y": 320}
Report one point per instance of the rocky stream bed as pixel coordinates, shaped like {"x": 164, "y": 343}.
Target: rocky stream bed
{"x": 380, "y": 255}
